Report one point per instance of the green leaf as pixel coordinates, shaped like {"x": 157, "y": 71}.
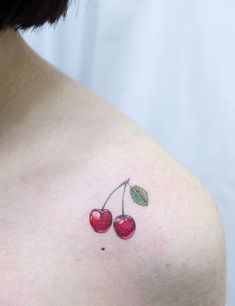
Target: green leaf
{"x": 139, "y": 195}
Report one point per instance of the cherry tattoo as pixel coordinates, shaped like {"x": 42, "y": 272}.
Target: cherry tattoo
{"x": 124, "y": 225}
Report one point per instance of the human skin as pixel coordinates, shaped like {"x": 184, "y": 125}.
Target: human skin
{"x": 63, "y": 149}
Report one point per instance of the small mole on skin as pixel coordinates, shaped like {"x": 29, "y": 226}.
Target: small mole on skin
{"x": 102, "y": 249}
{"x": 167, "y": 265}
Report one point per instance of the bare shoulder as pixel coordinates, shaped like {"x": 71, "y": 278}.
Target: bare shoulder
{"x": 75, "y": 153}
{"x": 178, "y": 240}
{"x": 175, "y": 256}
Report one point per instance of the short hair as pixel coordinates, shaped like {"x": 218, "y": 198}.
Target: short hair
{"x": 24, "y": 14}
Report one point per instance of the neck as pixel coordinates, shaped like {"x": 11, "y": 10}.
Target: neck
{"x": 15, "y": 67}
{"x": 24, "y": 76}
{"x": 13, "y": 59}
{"x": 27, "y": 82}
{"x": 10, "y": 42}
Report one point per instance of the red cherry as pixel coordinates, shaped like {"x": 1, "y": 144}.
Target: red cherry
{"x": 100, "y": 220}
{"x": 124, "y": 226}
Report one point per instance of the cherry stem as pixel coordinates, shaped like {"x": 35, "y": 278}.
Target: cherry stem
{"x": 124, "y": 183}
{"x": 124, "y": 189}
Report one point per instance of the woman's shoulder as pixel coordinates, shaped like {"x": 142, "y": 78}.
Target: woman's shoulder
{"x": 178, "y": 245}
{"x": 72, "y": 155}
{"x": 174, "y": 254}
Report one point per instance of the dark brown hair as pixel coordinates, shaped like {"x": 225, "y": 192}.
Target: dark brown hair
{"x": 23, "y": 14}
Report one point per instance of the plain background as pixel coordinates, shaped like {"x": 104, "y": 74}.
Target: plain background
{"x": 169, "y": 65}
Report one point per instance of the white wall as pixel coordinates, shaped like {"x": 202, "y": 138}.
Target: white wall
{"x": 170, "y": 65}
